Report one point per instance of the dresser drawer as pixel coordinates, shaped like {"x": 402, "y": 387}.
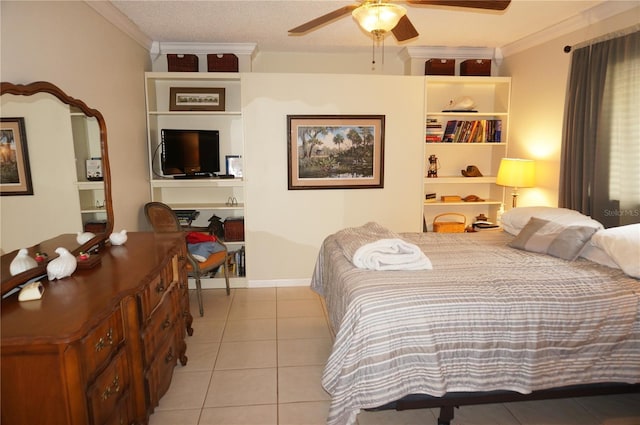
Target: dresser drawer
{"x": 161, "y": 325}
{"x": 122, "y": 414}
{"x": 100, "y": 344}
{"x": 109, "y": 389}
{"x": 160, "y": 372}
{"x": 152, "y": 294}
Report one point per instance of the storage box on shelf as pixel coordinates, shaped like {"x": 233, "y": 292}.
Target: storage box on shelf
{"x": 491, "y": 96}
{"x": 223, "y": 198}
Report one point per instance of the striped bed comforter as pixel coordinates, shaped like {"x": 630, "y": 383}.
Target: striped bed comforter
{"x": 487, "y": 317}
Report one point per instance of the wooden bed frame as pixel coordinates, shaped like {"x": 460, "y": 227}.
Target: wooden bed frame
{"x": 447, "y": 402}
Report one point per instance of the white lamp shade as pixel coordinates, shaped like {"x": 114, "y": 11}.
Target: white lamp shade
{"x": 515, "y": 172}
{"x": 378, "y": 17}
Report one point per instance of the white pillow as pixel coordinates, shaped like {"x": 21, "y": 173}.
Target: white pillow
{"x": 514, "y": 220}
{"x": 623, "y": 245}
{"x": 598, "y": 255}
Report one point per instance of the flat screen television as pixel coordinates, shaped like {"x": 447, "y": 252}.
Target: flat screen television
{"x": 190, "y": 152}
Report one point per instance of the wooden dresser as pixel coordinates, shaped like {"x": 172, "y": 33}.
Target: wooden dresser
{"x": 100, "y": 346}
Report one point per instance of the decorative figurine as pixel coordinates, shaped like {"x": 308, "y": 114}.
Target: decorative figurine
{"x": 22, "y": 262}
{"x": 434, "y": 164}
{"x": 63, "y": 266}
{"x": 118, "y": 238}
{"x": 84, "y": 237}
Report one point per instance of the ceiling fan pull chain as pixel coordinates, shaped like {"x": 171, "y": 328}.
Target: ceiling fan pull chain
{"x": 373, "y": 53}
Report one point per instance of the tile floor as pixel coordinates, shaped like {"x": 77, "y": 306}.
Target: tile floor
{"x": 256, "y": 358}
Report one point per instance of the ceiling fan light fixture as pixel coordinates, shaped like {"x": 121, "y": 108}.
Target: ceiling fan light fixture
{"x": 378, "y": 17}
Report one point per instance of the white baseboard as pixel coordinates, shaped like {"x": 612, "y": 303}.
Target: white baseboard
{"x": 217, "y": 283}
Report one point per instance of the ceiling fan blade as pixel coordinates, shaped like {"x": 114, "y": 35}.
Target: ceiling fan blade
{"x": 404, "y": 30}
{"x": 314, "y": 23}
{"x": 477, "y": 4}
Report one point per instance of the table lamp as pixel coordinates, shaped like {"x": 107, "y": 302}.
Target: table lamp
{"x": 515, "y": 173}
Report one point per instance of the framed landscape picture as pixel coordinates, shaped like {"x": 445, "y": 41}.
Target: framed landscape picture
{"x": 335, "y": 151}
{"x": 15, "y": 174}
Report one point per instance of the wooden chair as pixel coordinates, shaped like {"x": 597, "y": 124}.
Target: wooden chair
{"x": 163, "y": 219}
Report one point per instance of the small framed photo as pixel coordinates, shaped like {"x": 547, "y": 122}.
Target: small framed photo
{"x": 15, "y": 173}
{"x": 335, "y": 151}
{"x": 234, "y": 165}
{"x": 196, "y": 99}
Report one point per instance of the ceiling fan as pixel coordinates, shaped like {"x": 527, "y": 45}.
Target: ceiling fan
{"x": 381, "y": 16}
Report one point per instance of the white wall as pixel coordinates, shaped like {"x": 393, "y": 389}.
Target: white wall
{"x": 69, "y": 44}
{"x": 539, "y": 81}
{"x": 324, "y": 63}
{"x": 284, "y": 228}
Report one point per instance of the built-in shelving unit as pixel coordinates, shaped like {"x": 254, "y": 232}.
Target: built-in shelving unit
{"x": 491, "y": 96}
{"x": 223, "y": 198}
{"x": 86, "y": 144}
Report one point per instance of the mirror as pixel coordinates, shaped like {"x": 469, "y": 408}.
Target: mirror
{"x": 67, "y": 196}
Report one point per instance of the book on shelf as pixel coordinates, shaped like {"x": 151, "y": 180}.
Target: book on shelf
{"x": 433, "y": 132}
{"x": 472, "y": 131}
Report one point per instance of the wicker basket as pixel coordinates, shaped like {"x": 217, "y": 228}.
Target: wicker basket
{"x": 448, "y": 226}
{"x": 182, "y": 63}
{"x": 227, "y": 62}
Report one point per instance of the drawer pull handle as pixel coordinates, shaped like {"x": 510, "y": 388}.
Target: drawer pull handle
{"x": 112, "y": 389}
{"x": 160, "y": 287}
{"x": 166, "y": 324}
{"x": 169, "y": 358}
{"x": 102, "y": 342}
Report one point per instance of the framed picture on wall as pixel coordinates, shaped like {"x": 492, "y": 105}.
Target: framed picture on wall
{"x": 196, "y": 99}
{"x": 15, "y": 173}
{"x": 335, "y": 151}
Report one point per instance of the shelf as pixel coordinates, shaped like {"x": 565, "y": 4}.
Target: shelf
{"x": 204, "y": 206}
{"x": 177, "y": 183}
{"x": 439, "y": 203}
{"x": 93, "y": 211}
{"x": 459, "y": 180}
{"x": 206, "y": 76}
{"x": 97, "y": 185}
{"x": 468, "y": 114}
{"x": 466, "y": 144}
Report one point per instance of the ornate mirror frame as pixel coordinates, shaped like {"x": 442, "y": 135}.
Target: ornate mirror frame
{"x": 9, "y": 282}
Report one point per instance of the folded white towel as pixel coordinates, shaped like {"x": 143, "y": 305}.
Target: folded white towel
{"x": 391, "y": 254}
{"x": 374, "y": 247}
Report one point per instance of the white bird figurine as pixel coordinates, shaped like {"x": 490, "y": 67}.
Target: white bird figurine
{"x": 118, "y": 238}
{"x": 84, "y": 237}
{"x": 22, "y": 262}
{"x": 63, "y": 266}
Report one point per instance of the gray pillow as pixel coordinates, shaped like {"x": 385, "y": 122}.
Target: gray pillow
{"x": 551, "y": 238}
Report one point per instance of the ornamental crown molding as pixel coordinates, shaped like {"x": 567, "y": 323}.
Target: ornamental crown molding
{"x": 598, "y": 13}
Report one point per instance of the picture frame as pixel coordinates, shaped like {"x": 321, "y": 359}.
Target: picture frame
{"x": 335, "y": 151}
{"x": 233, "y": 165}
{"x": 15, "y": 171}
{"x": 196, "y": 99}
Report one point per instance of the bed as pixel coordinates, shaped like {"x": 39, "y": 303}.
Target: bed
{"x": 486, "y": 320}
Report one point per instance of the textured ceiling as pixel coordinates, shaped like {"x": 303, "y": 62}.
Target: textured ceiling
{"x": 267, "y": 22}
